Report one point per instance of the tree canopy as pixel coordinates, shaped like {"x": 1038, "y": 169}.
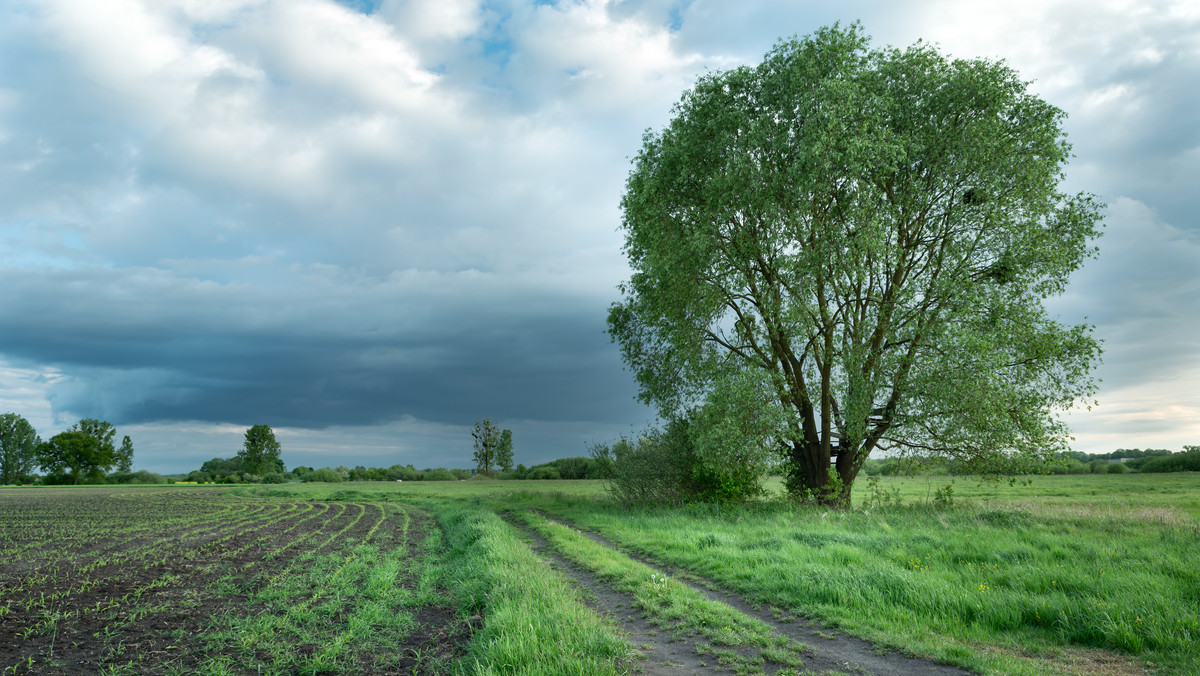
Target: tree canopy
{"x": 75, "y": 456}
{"x": 487, "y": 440}
{"x": 869, "y": 234}
{"x": 18, "y": 448}
{"x": 260, "y": 451}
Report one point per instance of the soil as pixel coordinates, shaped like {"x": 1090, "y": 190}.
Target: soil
{"x": 150, "y": 608}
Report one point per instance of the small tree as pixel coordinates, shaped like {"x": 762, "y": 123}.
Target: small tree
{"x": 504, "y": 451}
{"x": 260, "y": 452}
{"x": 125, "y": 455}
{"x": 76, "y": 455}
{"x": 487, "y": 439}
{"x": 18, "y": 448}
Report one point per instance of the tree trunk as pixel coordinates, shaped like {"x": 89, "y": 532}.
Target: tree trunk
{"x": 810, "y": 476}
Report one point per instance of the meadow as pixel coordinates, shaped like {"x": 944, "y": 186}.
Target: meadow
{"x": 1082, "y": 574}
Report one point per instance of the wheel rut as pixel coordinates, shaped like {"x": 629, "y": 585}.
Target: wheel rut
{"x": 828, "y": 650}
{"x": 658, "y": 652}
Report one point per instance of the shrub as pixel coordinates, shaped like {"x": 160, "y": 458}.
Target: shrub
{"x": 274, "y": 478}
{"x": 653, "y": 469}
{"x": 1177, "y": 462}
{"x": 575, "y": 468}
{"x": 324, "y": 474}
{"x": 403, "y": 473}
{"x": 544, "y": 472}
{"x": 139, "y": 477}
{"x": 439, "y": 474}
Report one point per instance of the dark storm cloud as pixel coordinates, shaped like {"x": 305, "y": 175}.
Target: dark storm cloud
{"x": 142, "y": 351}
{"x": 371, "y": 223}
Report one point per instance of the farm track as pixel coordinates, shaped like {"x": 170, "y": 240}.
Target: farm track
{"x": 660, "y": 654}
{"x": 827, "y": 651}
{"x": 142, "y": 591}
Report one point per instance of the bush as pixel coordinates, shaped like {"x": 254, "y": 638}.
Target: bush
{"x": 324, "y": 474}
{"x": 139, "y": 477}
{"x": 439, "y": 474}
{"x": 274, "y": 478}
{"x": 1177, "y": 462}
{"x": 403, "y": 473}
{"x": 576, "y": 468}
{"x": 654, "y": 469}
{"x": 544, "y": 472}
{"x": 1118, "y": 468}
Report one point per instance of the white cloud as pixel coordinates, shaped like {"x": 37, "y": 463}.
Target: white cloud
{"x": 200, "y": 186}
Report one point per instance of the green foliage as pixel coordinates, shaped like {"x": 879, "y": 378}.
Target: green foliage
{"x": 651, "y": 469}
{"x": 504, "y": 451}
{"x": 75, "y": 456}
{"x": 668, "y": 465}
{"x": 1118, "y": 468}
{"x": 734, "y": 434}
{"x": 543, "y": 472}
{"x": 221, "y": 466}
{"x": 260, "y": 451}
{"x": 402, "y": 473}
{"x": 101, "y": 430}
{"x": 323, "y": 474}
{"x": 139, "y": 477}
{"x": 1188, "y": 461}
{"x": 1071, "y": 562}
{"x": 537, "y": 623}
{"x": 851, "y": 225}
{"x": 439, "y": 474}
{"x": 274, "y": 478}
{"x": 18, "y": 449}
{"x": 487, "y": 438}
{"x": 125, "y": 455}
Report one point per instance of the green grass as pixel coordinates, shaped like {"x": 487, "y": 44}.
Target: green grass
{"x": 534, "y": 621}
{"x": 1013, "y": 578}
{"x": 1057, "y": 574}
{"x": 671, "y": 605}
{"x": 1030, "y": 576}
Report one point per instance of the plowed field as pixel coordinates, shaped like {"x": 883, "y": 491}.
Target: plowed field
{"x": 127, "y": 580}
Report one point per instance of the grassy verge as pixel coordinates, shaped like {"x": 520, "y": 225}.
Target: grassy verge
{"x": 534, "y": 620}
{"x": 671, "y": 605}
{"x": 990, "y": 588}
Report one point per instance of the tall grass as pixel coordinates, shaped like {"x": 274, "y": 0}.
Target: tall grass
{"x": 943, "y": 581}
{"x": 534, "y": 621}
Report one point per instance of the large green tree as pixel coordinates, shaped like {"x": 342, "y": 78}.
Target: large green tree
{"x": 18, "y": 448}
{"x": 872, "y": 234}
{"x": 75, "y": 455}
{"x": 260, "y": 451}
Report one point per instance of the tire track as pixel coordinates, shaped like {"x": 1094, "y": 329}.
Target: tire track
{"x": 658, "y": 654}
{"x": 828, "y": 649}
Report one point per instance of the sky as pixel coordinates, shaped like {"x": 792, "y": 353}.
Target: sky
{"x": 369, "y": 223}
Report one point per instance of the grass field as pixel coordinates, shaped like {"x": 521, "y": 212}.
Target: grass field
{"x": 1065, "y": 574}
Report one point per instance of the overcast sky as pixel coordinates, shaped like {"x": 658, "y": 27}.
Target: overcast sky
{"x": 367, "y": 224}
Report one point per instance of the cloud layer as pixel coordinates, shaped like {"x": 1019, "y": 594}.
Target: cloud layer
{"x": 369, "y": 223}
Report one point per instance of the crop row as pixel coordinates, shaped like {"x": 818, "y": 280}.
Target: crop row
{"x": 88, "y": 577}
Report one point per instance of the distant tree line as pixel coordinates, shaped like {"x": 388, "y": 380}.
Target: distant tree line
{"x": 86, "y": 453}
{"x": 1120, "y": 461}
